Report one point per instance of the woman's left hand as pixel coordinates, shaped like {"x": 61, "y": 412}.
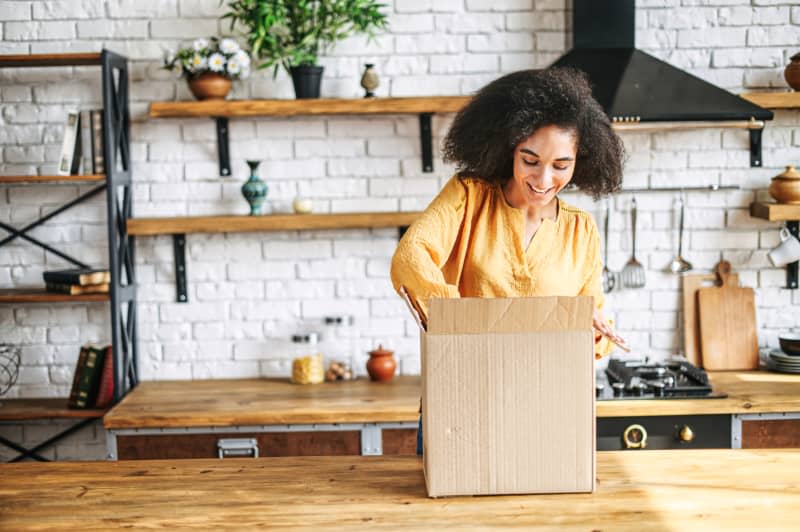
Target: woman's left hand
{"x": 603, "y": 327}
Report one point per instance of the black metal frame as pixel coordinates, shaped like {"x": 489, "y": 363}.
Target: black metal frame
{"x": 119, "y": 202}
{"x": 33, "y": 452}
{"x": 791, "y": 269}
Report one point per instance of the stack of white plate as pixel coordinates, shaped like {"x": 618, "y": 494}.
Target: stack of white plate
{"x": 777, "y": 360}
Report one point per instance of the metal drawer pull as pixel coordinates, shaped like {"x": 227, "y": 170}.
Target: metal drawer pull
{"x": 230, "y": 447}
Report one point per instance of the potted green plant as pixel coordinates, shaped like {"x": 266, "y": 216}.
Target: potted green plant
{"x": 293, "y": 33}
{"x": 209, "y": 65}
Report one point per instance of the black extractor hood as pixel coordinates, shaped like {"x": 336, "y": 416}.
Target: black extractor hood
{"x": 634, "y": 87}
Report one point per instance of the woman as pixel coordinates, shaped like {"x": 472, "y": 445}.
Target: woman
{"x": 498, "y": 228}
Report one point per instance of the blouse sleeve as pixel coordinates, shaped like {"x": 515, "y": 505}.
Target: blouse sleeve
{"x": 427, "y": 244}
{"x": 593, "y": 287}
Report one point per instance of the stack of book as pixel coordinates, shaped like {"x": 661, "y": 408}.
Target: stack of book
{"x": 93, "y": 382}
{"x": 77, "y": 281}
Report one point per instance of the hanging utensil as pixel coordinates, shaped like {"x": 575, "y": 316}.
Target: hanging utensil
{"x": 679, "y": 264}
{"x": 633, "y": 275}
{"x": 608, "y": 278}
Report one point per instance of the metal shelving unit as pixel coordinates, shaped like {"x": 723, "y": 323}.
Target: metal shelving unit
{"x": 116, "y": 183}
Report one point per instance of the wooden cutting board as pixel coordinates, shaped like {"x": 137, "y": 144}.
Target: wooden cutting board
{"x": 727, "y": 324}
{"x": 691, "y": 282}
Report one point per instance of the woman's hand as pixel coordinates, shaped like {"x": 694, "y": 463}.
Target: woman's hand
{"x": 604, "y": 328}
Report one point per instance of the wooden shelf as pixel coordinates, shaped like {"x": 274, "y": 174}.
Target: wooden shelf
{"x": 49, "y": 60}
{"x": 39, "y": 295}
{"x": 775, "y": 212}
{"x": 271, "y": 222}
{"x": 21, "y": 179}
{"x": 329, "y": 106}
{"x": 774, "y": 100}
{"x": 44, "y": 408}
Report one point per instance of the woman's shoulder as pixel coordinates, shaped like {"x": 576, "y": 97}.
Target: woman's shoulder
{"x": 458, "y": 190}
{"x": 576, "y": 218}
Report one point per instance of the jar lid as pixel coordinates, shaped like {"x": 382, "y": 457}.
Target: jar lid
{"x": 789, "y": 173}
{"x": 380, "y": 351}
{"x": 307, "y": 338}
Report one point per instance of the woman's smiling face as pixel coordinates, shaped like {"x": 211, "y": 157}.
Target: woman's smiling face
{"x": 544, "y": 164}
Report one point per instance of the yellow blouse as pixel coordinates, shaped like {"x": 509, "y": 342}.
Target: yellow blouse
{"x": 469, "y": 242}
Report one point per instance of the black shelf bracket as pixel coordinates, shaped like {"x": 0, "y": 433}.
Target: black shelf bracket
{"x": 426, "y": 138}
{"x": 755, "y": 148}
{"x": 179, "y": 250}
{"x": 791, "y": 268}
{"x": 223, "y": 146}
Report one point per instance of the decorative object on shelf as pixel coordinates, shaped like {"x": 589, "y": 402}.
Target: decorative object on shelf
{"x": 209, "y": 65}
{"x": 792, "y": 72}
{"x": 294, "y": 38}
{"x": 338, "y": 371}
{"x": 307, "y": 366}
{"x": 9, "y": 366}
{"x": 381, "y": 364}
{"x": 254, "y": 189}
{"x": 370, "y": 80}
{"x": 787, "y": 251}
{"x": 785, "y": 187}
{"x": 70, "y": 161}
{"x": 302, "y": 206}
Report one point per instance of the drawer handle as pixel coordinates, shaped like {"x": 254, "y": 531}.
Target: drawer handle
{"x": 237, "y": 447}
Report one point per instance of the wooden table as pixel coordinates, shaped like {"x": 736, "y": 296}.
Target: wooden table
{"x": 657, "y": 490}
{"x": 163, "y": 419}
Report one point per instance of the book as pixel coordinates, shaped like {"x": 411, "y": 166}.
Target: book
{"x": 105, "y": 390}
{"x": 76, "y": 377}
{"x": 79, "y": 276}
{"x": 89, "y": 379}
{"x": 70, "y": 161}
{"x": 77, "y": 289}
{"x": 96, "y": 137}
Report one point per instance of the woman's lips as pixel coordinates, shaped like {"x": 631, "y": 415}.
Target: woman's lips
{"x": 538, "y": 191}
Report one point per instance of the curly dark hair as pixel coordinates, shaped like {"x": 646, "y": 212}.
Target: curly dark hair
{"x": 484, "y": 134}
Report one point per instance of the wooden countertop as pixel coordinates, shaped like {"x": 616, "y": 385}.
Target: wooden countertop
{"x": 215, "y": 403}
{"x": 659, "y": 490}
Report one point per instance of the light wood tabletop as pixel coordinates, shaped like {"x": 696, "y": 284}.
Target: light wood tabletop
{"x": 215, "y": 403}
{"x": 653, "y": 490}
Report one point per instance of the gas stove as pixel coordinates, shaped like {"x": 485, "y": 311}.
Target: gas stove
{"x": 674, "y": 378}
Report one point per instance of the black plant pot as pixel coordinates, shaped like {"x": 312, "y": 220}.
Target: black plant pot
{"x": 306, "y": 79}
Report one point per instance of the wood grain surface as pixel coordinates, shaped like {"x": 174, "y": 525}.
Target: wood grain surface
{"x": 215, "y": 403}
{"x": 775, "y": 212}
{"x": 270, "y": 222}
{"x": 31, "y": 179}
{"x": 652, "y": 490}
{"x": 691, "y": 326}
{"x": 49, "y": 60}
{"x": 728, "y": 335}
{"x": 39, "y": 295}
{"x": 227, "y": 403}
{"x": 44, "y": 408}
{"x": 317, "y": 106}
{"x": 774, "y": 100}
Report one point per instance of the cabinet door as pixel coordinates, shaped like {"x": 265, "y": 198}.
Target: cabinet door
{"x": 178, "y": 446}
{"x": 399, "y": 441}
{"x": 770, "y": 433}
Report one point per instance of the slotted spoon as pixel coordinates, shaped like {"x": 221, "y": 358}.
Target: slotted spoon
{"x": 632, "y": 274}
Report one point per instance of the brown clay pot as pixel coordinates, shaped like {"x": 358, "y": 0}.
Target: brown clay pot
{"x": 792, "y": 72}
{"x": 210, "y": 86}
{"x": 381, "y": 364}
{"x": 785, "y": 187}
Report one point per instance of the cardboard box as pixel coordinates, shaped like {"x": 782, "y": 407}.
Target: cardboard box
{"x": 508, "y": 396}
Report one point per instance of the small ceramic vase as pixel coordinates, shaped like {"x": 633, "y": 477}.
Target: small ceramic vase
{"x": 381, "y": 364}
{"x": 254, "y": 190}
{"x": 210, "y": 86}
{"x": 785, "y": 187}
{"x": 792, "y": 72}
{"x": 369, "y": 80}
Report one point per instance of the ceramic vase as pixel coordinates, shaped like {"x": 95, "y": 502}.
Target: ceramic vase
{"x": 307, "y": 80}
{"x": 785, "y": 187}
{"x": 792, "y": 72}
{"x": 381, "y": 364}
{"x": 254, "y": 189}
{"x": 369, "y": 80}
{"x": 210, "y": 86}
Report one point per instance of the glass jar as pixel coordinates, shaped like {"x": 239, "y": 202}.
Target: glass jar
{"x": 307, "y": 366}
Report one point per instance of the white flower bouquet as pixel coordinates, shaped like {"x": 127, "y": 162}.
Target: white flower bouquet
{"x": 219, "y": 56}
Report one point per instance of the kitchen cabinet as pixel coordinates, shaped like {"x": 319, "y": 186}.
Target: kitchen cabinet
{"x": 659, "y": 490}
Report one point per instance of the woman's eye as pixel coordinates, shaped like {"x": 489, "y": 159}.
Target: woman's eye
{"x": 530, "y": 163}
{"x": 561, "y": 167}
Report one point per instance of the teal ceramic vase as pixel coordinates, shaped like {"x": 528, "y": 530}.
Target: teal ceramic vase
{"x": 254, "y": 190}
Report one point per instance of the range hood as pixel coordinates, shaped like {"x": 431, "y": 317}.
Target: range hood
{"x": 634, "y": 87}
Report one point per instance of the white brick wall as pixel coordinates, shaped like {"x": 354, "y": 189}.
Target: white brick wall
{"x": 249, "y": 291}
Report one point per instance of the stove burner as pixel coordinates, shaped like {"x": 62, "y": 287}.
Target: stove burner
{"x": 641, "y": 379}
